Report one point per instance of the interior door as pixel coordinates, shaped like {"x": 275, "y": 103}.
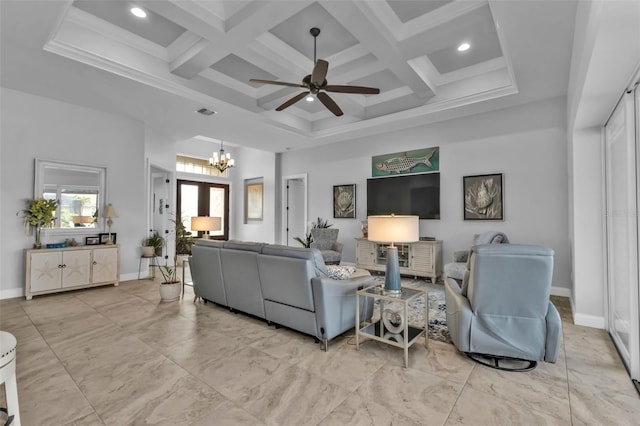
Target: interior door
{"x": 295, "y": 215}
{"x": 204, "y": 199}
{"x": 622, "y": 232}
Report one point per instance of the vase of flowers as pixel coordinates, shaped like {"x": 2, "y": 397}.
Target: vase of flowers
{"x": 40, "y": 213}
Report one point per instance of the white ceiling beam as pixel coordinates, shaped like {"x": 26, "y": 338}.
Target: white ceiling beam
{"x": 367, "y": 29}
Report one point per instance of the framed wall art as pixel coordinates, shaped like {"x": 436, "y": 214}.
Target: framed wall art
{"x": 344, "y": 201}
{"x": 408, "y": 162}
{"x": 483, "y": 197}
{"x": 253, "y": 201}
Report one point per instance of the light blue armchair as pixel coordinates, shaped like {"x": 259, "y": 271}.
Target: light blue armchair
{"x": 502, "y": 311}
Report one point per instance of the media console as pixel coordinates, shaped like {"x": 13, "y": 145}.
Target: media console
{"x": 420, "y": 259}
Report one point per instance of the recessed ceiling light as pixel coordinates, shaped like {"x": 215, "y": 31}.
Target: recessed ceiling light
{"x": 464, "y": 47}
{"x": 309, "y": 98}
{"x": 206, "y": 111}
{"x": 138, "y": 12}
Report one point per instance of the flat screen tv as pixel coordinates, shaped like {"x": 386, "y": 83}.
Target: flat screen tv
{"x": 417, "y": 194}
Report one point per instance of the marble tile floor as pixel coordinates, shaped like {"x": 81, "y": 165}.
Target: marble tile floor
{"x": 117, "y": 356}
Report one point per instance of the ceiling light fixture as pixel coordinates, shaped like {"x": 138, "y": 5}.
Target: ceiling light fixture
{"x": 309, "y": 98}
{"x": 136, "y": 11}
{"x": 206, "y": 111}
{"x": 464, "y": 47}
{"x": 222, "y": 161}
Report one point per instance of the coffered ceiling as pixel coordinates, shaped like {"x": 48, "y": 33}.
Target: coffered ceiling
{"x": 205, "y": 52}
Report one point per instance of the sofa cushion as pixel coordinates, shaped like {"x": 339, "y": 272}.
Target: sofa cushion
{"x": 340, "y": 272}
{"x": 244, "y": 245}
{"x": 300, "y": 253}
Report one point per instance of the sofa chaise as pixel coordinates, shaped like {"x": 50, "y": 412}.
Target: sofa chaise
{"x": 288, "y": 286}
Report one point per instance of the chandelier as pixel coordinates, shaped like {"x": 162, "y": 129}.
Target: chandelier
{"x": 221, "y": 161}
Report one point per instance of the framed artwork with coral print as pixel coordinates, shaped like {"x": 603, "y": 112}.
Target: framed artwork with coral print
{"x": 483, "y": 197}
{"x": 344, "y": 201}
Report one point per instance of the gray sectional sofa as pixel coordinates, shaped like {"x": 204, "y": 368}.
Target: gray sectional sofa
{"x": 289, "y": 286}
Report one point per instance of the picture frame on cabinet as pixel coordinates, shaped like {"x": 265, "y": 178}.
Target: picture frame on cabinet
{"x": 92, "y": 241}
{"x": 104, "y": 237}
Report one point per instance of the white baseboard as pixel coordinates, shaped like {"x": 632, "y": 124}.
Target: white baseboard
{"x": 11, "y": 293}
{"x": 589, "y": 320}
{"x": 131, "y": 277}
{"x": 561, "y": 291}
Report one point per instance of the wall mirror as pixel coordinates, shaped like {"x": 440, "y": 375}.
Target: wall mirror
{"x": 81, "y": 193}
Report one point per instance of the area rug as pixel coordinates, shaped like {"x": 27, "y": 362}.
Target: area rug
{"x": 437, "y": 308}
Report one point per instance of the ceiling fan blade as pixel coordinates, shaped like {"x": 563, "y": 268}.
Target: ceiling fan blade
{"x": 292, "y": 101}
{"x": 277, "y": 83}
{"x": 319, "y": 72}
{"x": 329, "y": 103}
{"x": 353, "y": 89}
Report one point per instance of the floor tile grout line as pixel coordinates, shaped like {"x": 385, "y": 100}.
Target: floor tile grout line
{"x": 67, "y": 371}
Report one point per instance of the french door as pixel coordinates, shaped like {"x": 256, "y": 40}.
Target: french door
{"x": 204, "y": 199}
{"x": 621, "y": 180}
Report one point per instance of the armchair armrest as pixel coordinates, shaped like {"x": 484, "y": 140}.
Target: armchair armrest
{"x": 461, "y": 256}
{"x": 554, "y": 334}
{"x": 459, "y": 315}
{"x": 335, "y": 304}
{"x": 337, "y": 247}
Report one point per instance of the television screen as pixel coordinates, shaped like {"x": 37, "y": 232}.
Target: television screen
{"x": 417, "y": 194}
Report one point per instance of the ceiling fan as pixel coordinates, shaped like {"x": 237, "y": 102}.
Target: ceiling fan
{"x": 316, "y": 84}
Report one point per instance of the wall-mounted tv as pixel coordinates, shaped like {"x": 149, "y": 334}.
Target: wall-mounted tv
{"x": 417, "y": 194}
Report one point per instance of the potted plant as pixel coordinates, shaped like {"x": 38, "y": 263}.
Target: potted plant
{"x": 40, "y": 213}
{"x": 152, "y": 245}
{"x": 184, "y": 238}
{"x": 307, "y": 241}
{"x": 170, "y": 286}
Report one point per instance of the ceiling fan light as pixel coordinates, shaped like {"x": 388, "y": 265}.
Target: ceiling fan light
{"x": 309, "y": 98}
{"x": 136, "y": 11}
{"x": 464, "y": 47}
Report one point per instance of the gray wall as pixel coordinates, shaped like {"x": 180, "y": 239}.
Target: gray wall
{"x": 527, "y": 144}
{"x": 32, "y": 127}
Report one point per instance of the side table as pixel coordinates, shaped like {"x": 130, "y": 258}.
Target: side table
{"x": 152, "y": 264}
{"x": 184, "y": 276}
{"x": 397, "y": 331}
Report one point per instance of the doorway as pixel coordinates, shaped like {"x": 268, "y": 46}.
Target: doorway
{"x": 160, "y": 199}
{"x": 294, "y": 209}
{"x": 204, "y": 199}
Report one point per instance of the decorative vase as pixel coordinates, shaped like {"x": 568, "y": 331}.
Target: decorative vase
{"x": 365, "y": 228}
{"x": 38, "y": 243}
{"x": 170, "y": 292}
{"x": 148, "y": 251}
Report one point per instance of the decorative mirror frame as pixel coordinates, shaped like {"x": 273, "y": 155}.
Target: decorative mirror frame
{"x": 38, "y": 190}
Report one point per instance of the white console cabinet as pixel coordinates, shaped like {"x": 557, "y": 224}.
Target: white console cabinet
{"x": 55, "y": 270}
{"x": 420, "y": 259}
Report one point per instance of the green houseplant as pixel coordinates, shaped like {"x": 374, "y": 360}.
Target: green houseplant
{"x": 307, "y": 241}
{"x": 170, "y": 287}
{"x": 40, "y": 213}
{"x": 156, "y": 242}
{"x": 184, "y": 238}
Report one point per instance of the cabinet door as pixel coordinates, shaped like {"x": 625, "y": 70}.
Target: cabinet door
{"x": 366, "y": 253}
{"x": 76, "y": 266}
{"x": 105, "y": 265}
{"x": 422, "y": 258}
{"x": 46, "y": 271}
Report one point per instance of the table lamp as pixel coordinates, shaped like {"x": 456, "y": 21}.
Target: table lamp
{"x": 393, "y": 229}
{"x": 206, "y": 224}
{"x": 109, "y": 212}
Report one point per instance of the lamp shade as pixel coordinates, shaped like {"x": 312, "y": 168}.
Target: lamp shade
{"x": 393, "y": 228}
{"x": 109, "y": 211}
{"x": 206, "y": 223}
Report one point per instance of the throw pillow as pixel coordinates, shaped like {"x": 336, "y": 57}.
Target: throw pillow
{"x": 340, "y": 272}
